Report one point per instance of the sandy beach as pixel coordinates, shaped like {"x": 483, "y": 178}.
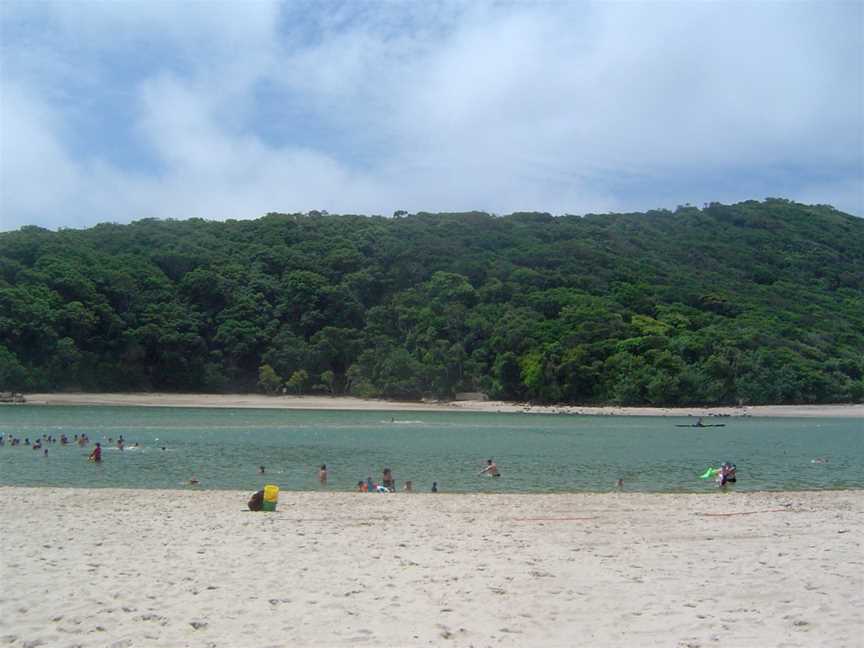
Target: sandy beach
{"x": 194, "y": 568}
{"x": 348, "y": 403}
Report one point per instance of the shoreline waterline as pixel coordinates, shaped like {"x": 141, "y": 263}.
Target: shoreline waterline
{"x": 347, "y": 403}
{"x": 324, "y": 492}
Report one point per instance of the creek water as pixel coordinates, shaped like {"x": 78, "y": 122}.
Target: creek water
{"x": 223, "y": 449}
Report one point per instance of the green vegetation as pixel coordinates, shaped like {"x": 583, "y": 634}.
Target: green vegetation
{"x": 754, "y": 302}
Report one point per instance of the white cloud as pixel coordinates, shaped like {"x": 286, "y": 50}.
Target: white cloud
{"x": 564, "y": 108}
{"x": 36, "y": 174}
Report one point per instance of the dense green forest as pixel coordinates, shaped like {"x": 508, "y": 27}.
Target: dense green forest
{"x": 758, "y": 302}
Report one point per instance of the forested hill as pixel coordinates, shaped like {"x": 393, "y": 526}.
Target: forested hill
{"x": 759, "y": 302}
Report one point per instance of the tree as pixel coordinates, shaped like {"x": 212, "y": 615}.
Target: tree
{"x": 298, "y": 381}
{"x": 13, "y": 376}
{"x": 507, "y": 377}
{"x": 269, "y": 380}
{"x": 757, "y": 301}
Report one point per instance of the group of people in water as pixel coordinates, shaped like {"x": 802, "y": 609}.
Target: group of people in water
{"x": 387, "y": 485}
{"x": 96, "y": 455}
{"x": 388, "y": 481}
{"x": 724, "y": 475}
{"x": 44, "y": 441}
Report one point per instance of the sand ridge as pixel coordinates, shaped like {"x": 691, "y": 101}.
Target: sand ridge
{"x": 105, "y": 567}
{"x": 358, "y": 404}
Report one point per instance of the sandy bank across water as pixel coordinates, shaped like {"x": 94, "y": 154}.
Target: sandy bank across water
{"x": 348, "y": 403}
{"x": 193, "y": 568}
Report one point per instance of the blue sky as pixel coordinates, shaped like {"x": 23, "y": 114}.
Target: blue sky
{"x": 125, "y": 110}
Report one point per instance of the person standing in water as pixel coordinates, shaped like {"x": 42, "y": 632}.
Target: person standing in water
{"x": 490, "y": 469}
{"x": 387, "y": 480}
{"x": 96, "y": 455}
{"x": 322, "y": 474}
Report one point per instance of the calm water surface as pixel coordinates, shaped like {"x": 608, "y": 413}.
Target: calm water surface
{"x": 535, "y": 453}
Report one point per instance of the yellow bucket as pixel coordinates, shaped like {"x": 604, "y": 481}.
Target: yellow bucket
{"x": 271, "y": 496}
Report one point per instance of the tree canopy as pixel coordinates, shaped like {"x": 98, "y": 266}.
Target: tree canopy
{"x": 757, "y": 302}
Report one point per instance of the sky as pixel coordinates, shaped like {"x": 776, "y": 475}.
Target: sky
{"x": 117, "y": 111}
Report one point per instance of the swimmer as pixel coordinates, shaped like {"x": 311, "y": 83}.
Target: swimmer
{"x": 322, "y": 474}
{"x": 96, "y": 455}
{"x": 260, "y": 470}
{"x": 819, "y": 460}
{"x": 619, "y": 484}
{"x": 434, "y": 487}
{"x": 490, "y": 469}
{"x": 193, "y": 482}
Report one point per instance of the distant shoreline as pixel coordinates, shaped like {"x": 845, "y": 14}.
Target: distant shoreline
{"x": 260, "y": 401}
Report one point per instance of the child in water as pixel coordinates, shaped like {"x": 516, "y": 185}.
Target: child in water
{"x": 727, "y": 474}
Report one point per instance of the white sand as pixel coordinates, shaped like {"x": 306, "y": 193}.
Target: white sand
{"x": 157, "y": 568}
{"x": 348, "y": 403}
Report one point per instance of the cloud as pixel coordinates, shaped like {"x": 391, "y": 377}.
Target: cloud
{"x": 222, "y": 110}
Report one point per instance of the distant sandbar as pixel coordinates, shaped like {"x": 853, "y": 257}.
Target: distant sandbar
{"x": 360, "y": 404}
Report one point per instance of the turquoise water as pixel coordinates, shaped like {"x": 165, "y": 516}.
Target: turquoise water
{"x": 535, "y": 453}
